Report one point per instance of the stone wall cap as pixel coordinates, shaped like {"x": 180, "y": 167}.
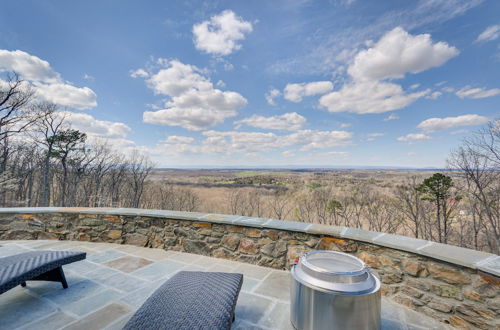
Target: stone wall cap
{"x": 287, "y": 225}
{"x": 490, "y": 265}
{"x": 326, "y": 230}
{"x": 361, "y": 234}
{"x": 400, "y": 242}
{"x": 219, "y": 218}
{"x": 250, "y": 222}
{"x": 454, "y": 254}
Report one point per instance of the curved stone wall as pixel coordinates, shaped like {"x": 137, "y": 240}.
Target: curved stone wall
{"x": 457, "y": 286}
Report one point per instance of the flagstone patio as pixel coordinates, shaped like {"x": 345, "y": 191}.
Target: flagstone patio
{"x": 106, "y": 289}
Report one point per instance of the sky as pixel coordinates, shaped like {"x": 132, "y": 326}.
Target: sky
{"x": 264, "y": 83}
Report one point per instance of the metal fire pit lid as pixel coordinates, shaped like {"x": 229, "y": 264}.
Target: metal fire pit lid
{"x": 334, "y": 271}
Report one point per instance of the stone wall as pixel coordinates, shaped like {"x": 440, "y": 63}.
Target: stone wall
{"x": 463, "y": 292}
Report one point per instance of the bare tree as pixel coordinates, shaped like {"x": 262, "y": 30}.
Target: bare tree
{"x": 46, "y": 130}
{"x": 67, "y": 142}
{"x": 15, "y": 115}
{"x": 279, "y": 204}
{"x": 236, "y": 200}
{"x": 139, "y": 167}
{"x": 410, "y": 204}
{"x": 478, "y": 160}
{"x": 381, "y": 214}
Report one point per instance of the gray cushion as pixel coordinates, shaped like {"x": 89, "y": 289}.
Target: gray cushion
{"x": 190, "y": 300}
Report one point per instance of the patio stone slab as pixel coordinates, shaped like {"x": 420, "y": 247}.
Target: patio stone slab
{"x": 123, "y": 282}
{"x": 187, "y": 258}
{"x": 80, "y": 267}
{"x": 120, "y": 323}
{"x": 73, "y": 293}
{"x": 220, "y": 268}
{"x": 279, "y": 317}
{"x": 128, "y": 264}
{"x": 18, "y": 308}
{"x": 252, "y": 271}
{"x": 92, "y": 303}
{"x": 251, "y": 307}
{"x": 276, "y": 285}
{"x": 101, "y": 318}
{"x": 105, "y": 256}
{"x": 249, "y": 284}
{"x": 151, "y": 254}
{"x": 158, "y": 270}
{"x": 138, "y": 297}
{"x": 100, "y": 273}
{"x": 44, "y": 287}
{"x": 54, "y": 321}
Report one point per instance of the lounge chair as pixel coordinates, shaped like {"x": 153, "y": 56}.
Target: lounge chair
{"x": 35, "y": 266}
{"x": 190, "y": 300}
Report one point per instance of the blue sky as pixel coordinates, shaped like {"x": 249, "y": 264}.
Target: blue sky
{"x": 264, "y": 83}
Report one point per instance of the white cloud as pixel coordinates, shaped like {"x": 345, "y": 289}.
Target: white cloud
{"x": 178, "y": 139}
{"x": 399, "y": 52}
{"x": 372, "y": 136}
{"x": 391, "y": 117}
{"x": 88, "y": 77}
{"x": 67, "y": 95}
{"x": 288, "y": 121}
{"x": 220, "y": 35}
{"x": 311, "y": 139}
{"x": 345, "y": 125}
{"x": 322, "y": 54}
{"x": 96, "y": 128}
{"x": 414, "y": 137}
{"x": 376, "y": 134}
{"x": 28, "y": 66}
{"x": 477, "y": 93}
{"x": 440, "y": 124}
{"x": 238, "y": 142}
{"x": 459, "y": 131}
{"x": 295, "y": 92}
{"x": 139, "y": 73}
{"x": 434, "y": 95}
{"x": 47, "y": 83}
{"x": 414, "y": 86}
{"x": 337, "y": 153}
{"x": 194, "y": 102}
{"x": 271, "y": 95}
{"x": 395, "y": 54}
{"x": 491, "y": 33}
{"x": 369, "y": 97}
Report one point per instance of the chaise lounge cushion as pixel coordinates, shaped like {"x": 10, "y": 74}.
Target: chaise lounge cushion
{"x": 19, "y": 268}
{"x": 190, "y": 300}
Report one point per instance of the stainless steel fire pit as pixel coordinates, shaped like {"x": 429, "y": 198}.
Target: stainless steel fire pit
{"x": 333, "y": 290}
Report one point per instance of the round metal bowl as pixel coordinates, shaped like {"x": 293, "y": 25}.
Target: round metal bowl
{"x": 334, "y": 290}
